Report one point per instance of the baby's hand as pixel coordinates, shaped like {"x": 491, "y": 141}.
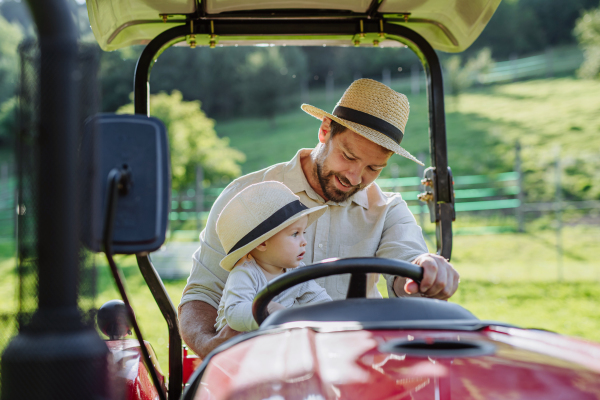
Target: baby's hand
{"x": 273, "y": 306}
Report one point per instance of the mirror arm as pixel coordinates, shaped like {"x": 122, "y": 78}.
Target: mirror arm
{"x": 159, "y": 292}
{"x": 118, "y": 184}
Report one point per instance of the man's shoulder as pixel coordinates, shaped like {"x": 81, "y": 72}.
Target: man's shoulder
{"x": 379, "y": 198}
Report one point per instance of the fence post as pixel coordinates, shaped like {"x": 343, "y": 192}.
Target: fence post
{"x": 549, "y": 63}
{"x": 558, "y": 214}
{"x": 199, "y": 195}
{"x": 513, "y": 66}
{"x": 520, "y": 195}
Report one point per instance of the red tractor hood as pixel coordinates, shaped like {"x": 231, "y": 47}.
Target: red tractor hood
{"x": 329, "y": 363}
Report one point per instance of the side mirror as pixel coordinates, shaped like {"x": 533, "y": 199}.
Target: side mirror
{"x": 127, "y": 154}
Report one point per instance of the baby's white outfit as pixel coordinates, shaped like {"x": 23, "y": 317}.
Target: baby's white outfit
{"x": 244, "y": 282}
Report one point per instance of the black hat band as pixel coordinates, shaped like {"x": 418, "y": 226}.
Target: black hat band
{"x": 369, "y": 121}
{"x": 276, "y": 219}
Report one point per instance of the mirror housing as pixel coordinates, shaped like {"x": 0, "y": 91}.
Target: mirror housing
{"x": 136, "y": 146}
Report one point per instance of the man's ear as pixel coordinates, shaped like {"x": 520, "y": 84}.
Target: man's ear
{"x": 262, "y": 246}
{"x": 324, "y": 130}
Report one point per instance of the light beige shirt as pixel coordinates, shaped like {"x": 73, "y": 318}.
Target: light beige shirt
{"x": 370, "y": 223}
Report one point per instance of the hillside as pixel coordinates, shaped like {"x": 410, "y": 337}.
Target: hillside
{"x": 482, "y": 126}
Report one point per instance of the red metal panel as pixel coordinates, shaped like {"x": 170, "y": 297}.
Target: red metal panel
{"x": 132, "y": 377}
{"x": 301, "y": 363}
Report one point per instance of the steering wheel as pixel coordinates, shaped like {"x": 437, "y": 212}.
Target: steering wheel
{"x": 359, "y": 267}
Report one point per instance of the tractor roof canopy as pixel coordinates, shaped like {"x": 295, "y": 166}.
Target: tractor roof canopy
{"x": 448, "y": 25}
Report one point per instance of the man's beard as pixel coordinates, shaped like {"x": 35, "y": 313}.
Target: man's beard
{"x": 326, "y": 176}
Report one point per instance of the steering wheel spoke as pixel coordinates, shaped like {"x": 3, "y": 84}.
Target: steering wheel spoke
{"x": 358, "y": 286}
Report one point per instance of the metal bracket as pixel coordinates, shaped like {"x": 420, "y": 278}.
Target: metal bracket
{"x": 369, "y": 37}
{"x": 429, "y": 196}
{"x": 191, "y": 38}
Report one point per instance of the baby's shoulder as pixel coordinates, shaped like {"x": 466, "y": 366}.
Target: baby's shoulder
{"x": 248, "y": 267}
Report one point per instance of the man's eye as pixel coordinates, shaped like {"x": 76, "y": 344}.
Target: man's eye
{"x": 347, "y": 158}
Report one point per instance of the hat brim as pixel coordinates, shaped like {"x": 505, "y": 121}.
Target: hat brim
{"x": 231, "y": 259}
{"x": 364, "y": 131}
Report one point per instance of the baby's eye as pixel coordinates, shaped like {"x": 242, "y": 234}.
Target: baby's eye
{"x": 295, "y": 234}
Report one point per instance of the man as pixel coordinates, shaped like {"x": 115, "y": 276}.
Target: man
{"x": 355, "y": 143}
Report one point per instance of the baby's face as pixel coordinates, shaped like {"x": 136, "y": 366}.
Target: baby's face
{"x": 286, "y": 249}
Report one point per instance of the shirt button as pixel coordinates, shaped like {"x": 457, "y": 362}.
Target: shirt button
{"x": 320, "y": 245}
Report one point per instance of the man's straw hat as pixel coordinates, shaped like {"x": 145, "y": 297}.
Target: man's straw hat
{"x": 256, "y": 214}
{"x": 372, "y": 110}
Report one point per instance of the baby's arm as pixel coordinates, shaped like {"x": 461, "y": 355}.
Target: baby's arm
{"x": 311, "y": 292}
{"x": 240, "y": 289}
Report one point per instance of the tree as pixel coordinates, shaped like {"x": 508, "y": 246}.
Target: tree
{"x": 9, "y": 66}
{"x": 192, "y": 141}
{"x": 267, "y": 80}
{"x": 461, "y": 77}
{"x": 587, "y": 31}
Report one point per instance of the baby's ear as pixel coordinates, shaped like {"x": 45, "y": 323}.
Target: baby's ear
{"x": 262, "y": 246}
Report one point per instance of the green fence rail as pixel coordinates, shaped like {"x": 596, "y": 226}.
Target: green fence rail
{"x": 495, "y": 191}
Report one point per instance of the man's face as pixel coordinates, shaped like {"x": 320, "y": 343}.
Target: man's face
{"x": 348, "y": 163}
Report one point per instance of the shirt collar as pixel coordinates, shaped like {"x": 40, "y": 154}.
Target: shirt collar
{"x": 294, "y": 178}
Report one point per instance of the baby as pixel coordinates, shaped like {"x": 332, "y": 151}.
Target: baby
{"x": 262, "y": 232}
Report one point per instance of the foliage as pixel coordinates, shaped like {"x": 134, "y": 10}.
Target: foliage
{"x": 587, "y": 32}
{"x": 192, "y": 140}
{"x": 9, "y": 63}
{"x": 461, "y": 77}
{"x": 8, "y": 120}
{"x": 9, "y": 67}
{"x": 116, "y": 73}
{"x": 528, "y": 26}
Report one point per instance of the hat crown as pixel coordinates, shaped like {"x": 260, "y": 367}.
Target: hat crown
{"x": 249, "y": 208}
{"x": 378, "y": 100}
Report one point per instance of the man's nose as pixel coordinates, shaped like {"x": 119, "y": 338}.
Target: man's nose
{"x": 354, "y": 176}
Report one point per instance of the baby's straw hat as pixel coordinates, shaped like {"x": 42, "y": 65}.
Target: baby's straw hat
{"x": 256, "y": 214}
{"x": 372, "y": 110}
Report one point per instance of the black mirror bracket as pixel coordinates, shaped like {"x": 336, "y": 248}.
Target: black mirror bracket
{"x": 119, "y": 181}
{"x": 441, "y": 213}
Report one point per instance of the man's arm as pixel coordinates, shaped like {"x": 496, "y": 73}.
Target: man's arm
{"x": 402, "y": 239}
{"x": 197, "y": 326}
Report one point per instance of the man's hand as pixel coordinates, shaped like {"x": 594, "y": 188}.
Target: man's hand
{"x": 197, "y": 326}
{"x": 440, "y": 279}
